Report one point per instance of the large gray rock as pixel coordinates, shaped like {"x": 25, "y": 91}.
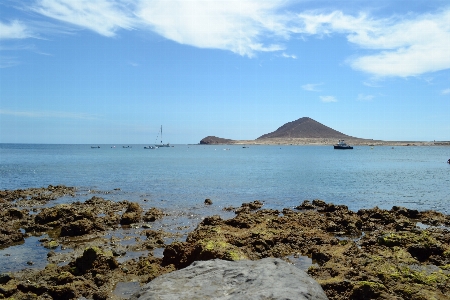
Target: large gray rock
{"x": 269, "y": 278}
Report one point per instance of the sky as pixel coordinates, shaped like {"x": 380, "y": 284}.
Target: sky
{"x": 115, "y": 71}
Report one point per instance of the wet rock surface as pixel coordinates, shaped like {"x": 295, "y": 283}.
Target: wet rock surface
{"x": 96, "y": 245}
{"x": 268, "y": 278}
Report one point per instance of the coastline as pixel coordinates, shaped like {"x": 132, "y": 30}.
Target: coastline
{"x": 330, "y": 142}
{"x": 372, "y": 253}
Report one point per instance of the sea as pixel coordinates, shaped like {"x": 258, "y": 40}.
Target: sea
{"x": 180, "y": 178}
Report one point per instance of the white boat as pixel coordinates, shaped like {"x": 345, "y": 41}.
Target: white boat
{"x": 162, "y": 145}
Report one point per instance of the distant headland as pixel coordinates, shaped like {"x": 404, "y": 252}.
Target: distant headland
{"x": 306, "y": 131}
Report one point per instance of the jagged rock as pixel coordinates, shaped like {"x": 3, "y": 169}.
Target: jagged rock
{"x": 9, "y": 235}
{"x": 268, "y": 278}
{"x": 132, "y": 214}
{"x": 153, "y": 214}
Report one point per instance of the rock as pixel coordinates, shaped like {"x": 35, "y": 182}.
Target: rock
{"x": 213, "y": 140}
{"x": 153, "y": 214}
{"x": 51, "y": 245}
{"x": 4, "y": 278}
{"x": 95, "y": 260}
{"x": 132, "y": 214}
{"x": 208, "y": 201}
{"x": 269, "y": 278}
{"x": 77, "y": 228}
{"x": 306, "y": 205}
{"x": 9, "y": 235}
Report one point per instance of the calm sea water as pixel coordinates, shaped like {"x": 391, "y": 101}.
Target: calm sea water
{"x": 179, "y": 179}
{"x": 281, "y": 176}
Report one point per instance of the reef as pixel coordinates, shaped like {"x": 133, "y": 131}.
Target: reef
{"x": 372, "y": 253}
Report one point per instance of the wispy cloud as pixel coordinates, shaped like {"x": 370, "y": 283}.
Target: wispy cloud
{"x": 401, "y": 45}
{"x": 311, "y": 87}
{"x": 404, "y": 46}
{"x": 7, "y": 62}
{"x": 14, "y": 30}
{"x": 238, "y": 26}
{"x": 285, "y": 55}
{"x": 363, "y": 97}
{"x": 48, "y": 114}
{"x": 328, "y": 99}
{"x": 102, "y": 16}
{"x": 372, "y": 83}
{"x": 445, "y": 92}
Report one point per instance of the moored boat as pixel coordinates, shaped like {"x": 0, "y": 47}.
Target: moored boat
{"x": 342, "y": 145}
{"x": 162, "y": 145}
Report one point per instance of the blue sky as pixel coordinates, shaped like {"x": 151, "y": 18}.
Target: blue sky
{"x": 83, "y": 71}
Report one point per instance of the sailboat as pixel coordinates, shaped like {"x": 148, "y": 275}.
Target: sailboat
{"x": 162, "y": 145}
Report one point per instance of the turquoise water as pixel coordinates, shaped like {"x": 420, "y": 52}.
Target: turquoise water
{"x": 281, "y": 176}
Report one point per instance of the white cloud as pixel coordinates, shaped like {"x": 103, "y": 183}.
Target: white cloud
{"x": 404, "y": 46}
{"x": 237, "y": 26}
{"x": 363, "y": 97}
{"x": 311, "y": 87}
{"x": 445, "y": 92}
{"x": 328, "y": 99}
{"x": 48, "y": 114}
{"x": 285, "y": 55}
{"x": 102, "y": 16}
{"x": 14, "y": 30}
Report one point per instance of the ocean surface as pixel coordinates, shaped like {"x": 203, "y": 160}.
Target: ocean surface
{"x": 180, "y": 178}
{"x": 281, "y": 176}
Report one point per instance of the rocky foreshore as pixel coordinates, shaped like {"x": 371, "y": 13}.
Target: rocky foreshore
{"x": 368, "y": 254}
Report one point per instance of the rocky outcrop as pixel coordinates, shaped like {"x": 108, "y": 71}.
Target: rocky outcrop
{"x": 132, "y": 214}
{"x": 213, "y": 140}
{"x": 269, "y": 278}
{"x": 36, "y": 196}
{"x": 369, "y": 254}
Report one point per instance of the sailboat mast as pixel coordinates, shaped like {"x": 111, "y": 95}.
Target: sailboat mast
{"x": 161, "y": 135}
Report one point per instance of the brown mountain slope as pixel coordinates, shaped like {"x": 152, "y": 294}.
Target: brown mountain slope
{"x": 305, "y": 128}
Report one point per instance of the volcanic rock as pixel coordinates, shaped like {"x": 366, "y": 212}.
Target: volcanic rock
{"x": 269, "y": 278}
{"x": 305, "y": 128}
{"x": 132, "y": 214}
{"x": 209, "y": 140}
{"x": 153, "y": 214}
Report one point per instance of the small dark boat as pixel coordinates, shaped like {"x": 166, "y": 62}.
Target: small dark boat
{"x": 95, "y": 147}
{"x": 342, "y": 145}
